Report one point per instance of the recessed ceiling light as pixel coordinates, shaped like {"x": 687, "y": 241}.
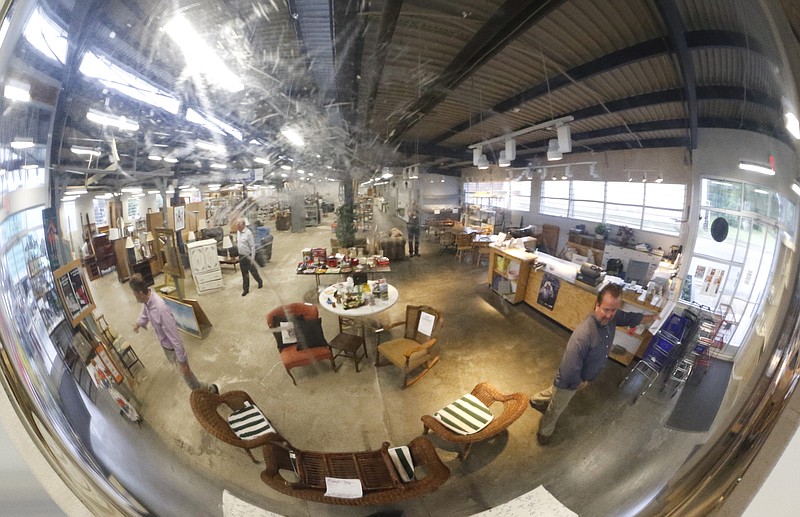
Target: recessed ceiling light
{"x": 286, "y": 167}
{"x": 264, "y": 161}
{"x": 170, "y": 159}
{"x": 218, "y": 166}
{"x": 154, "y": 157}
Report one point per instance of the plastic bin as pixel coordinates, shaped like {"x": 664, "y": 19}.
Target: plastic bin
{"x": 264, "y": 250}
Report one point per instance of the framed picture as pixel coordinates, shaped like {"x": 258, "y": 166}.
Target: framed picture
{"x": 185, "y": 318}
{"x": 180, "y": 217}
{"x": 74, "y": 292}
{"x": 166, "y": 245}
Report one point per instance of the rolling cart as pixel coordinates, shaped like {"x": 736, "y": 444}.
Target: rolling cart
{"x": 662, "y": 351}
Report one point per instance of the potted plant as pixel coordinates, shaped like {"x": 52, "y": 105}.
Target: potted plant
{"x": 600, "y": 231}
{"x": 345, "y": 226}
{"x": 625, "y": 235}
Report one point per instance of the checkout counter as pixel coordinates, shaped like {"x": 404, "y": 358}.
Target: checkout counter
{"x": 550, "y": 285}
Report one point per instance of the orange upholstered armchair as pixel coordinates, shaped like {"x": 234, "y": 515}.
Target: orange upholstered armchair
{"x": 314, "y": 349}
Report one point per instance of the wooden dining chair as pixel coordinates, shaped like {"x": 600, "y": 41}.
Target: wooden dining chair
{"x": 463, "y": 245}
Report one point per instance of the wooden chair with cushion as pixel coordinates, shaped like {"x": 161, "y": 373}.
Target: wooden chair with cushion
{"x": 414, "y": 350}
{"x": 514, "y": 405}
{"x": 380, "y": 481}
{"x": 291, "y": 355}
{"x": 205, "y": 407}
{"x": 463, "y": 245}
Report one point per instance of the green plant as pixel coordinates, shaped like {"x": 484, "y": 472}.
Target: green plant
{"x": 345, "y": 226}
{"x": 601, "y": 229}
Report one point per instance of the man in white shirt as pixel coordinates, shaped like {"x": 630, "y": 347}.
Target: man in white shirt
{"x": 247, "y": 253}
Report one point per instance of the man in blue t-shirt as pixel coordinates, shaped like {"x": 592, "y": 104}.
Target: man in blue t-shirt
{"x": 584, "y": 357}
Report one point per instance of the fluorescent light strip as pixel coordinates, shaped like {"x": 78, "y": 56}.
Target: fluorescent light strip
{"x": 754, "y": 167}
{"x": 796, "y": 188}
{"x": 17, "y": 91}
{"x": 293, "y": 136}
{"x": 208, "y": 146}
{"x": 106, "y": 119}
{"x": 200, "y": 58}
{"x": 116, "y": 78}
{"x": 792, "y": 125}
{"x": 213, "y": 124}
{"x": 84, "y": 151}
{"x": 22, "y": 143}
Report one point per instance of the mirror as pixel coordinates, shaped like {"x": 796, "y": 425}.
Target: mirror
{"x": 674, "y": 120}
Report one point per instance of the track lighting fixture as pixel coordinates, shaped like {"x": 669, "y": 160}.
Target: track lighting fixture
{"x": 553, "y": 153}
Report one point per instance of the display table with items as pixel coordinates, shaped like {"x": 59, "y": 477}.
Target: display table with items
{"x": 317, "y": 262}
{"x": 367, "y": 299}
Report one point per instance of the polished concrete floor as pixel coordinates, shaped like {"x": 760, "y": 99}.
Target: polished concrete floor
{"x": 609, "y": 456}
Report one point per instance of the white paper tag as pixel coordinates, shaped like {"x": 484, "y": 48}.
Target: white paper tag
{"x": 343, "y": 488}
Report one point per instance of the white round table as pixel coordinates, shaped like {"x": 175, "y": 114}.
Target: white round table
{"x": 326, "y": 301}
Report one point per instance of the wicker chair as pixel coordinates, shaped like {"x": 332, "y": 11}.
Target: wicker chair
{"x": 380, "y": 482}
{"x": 414, "y": 349}
{"x": 290, "y": 355}
{"x": 514, "y": 405}
{"x": 204, "y": 407}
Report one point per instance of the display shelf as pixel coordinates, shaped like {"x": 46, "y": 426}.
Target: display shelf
{"x": 508, "y": 272}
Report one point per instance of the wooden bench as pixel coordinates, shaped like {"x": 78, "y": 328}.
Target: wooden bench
{"x": 379, "y": 479}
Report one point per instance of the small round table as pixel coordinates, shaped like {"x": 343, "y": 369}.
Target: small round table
{"x": 358, "y": 312}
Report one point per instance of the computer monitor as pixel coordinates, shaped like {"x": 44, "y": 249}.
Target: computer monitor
{"x": 637, "y": 271}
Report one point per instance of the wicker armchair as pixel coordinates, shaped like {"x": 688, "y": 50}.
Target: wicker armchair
{"x": 514, "y": 405}
{"x": 204, "y": 407}
{"x": 374, "y": 469}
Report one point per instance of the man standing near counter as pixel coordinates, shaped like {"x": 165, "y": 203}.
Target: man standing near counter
{"x": 247, "y": 254}
{"x": 584, "y": 357}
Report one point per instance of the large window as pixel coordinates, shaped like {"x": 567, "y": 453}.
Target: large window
{"x": 732, "y": 276}
{"x": 653, "y": 207}
{"x": 513, "y": 195}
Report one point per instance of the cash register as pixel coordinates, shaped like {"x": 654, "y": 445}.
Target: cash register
{"x": 590, "y": 274}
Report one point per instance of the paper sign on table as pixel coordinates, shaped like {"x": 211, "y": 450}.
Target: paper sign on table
{"x": 343, "y": 488}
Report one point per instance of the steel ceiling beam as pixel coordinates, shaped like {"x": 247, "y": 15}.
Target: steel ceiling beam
{"x": 677, "y": 33}
{"x": 348, "y": 44}
{"x": 506, "y": 23}
{"x": 389, "y": 16}
{"x": 614, "y": 60}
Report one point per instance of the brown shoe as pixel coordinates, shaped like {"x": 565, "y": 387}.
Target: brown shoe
{"x": 538, "y": 405}
{"x": 542, "y": 439}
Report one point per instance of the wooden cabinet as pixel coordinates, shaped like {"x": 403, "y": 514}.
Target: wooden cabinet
{"x": 509, "y": 271}
{"x": 104, "y": 256}
{"x": 121, "y": 253}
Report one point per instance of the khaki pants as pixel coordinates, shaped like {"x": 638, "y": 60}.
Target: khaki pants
{"x": 558, "y": 400}
{"x": 188, "y": 378}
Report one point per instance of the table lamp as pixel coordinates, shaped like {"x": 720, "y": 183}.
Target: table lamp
{"x": 227, "y": 245}
{"x": 192, "y": 237}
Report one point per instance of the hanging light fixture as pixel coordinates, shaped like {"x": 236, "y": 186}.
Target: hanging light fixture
{"x": 553, "y": 152}
{"x": 483, "y": 162}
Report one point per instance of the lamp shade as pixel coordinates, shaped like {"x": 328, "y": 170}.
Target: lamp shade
{"x": 226, "y": 242}
{"x": 201, "y": 224}
{"x": 192, "y": 237}
{"x": 150, "y": 237}
{"x": 129, "y": 243}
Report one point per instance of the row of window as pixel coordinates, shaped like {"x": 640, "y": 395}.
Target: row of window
{"x": 654, "y": 207}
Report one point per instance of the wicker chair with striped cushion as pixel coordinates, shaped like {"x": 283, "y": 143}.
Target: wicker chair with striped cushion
{"x": 205, "y": 407}
{"x": 514, "y": 405}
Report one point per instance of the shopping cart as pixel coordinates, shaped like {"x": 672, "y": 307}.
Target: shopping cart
{"x": 661, "y": 352}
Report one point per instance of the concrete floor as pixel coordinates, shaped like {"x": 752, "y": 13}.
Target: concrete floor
{"x": 609, "y": 457}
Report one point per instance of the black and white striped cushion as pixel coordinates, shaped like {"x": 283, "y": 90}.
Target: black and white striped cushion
{"x": 401, "y": 457}
{"x": 249, "y": 422}
{"x": 466, "y": 415}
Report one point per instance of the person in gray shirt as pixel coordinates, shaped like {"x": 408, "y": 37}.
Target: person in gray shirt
{"x": 247, "y": 253}
{"x": 584, "y": 357}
